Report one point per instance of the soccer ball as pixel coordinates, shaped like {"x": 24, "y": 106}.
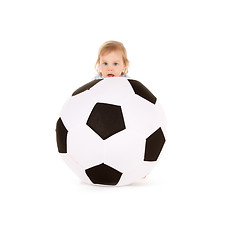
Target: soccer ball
{"x": 111, "y": 131}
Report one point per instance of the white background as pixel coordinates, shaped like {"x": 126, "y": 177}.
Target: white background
{"x": 179, "y": 50}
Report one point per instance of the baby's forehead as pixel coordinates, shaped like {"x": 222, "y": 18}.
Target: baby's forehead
{"x": 112, "y": 58}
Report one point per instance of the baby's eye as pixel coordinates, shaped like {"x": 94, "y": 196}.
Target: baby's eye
{"x": 115, "y": 64}
{"x": 105, "y": 63}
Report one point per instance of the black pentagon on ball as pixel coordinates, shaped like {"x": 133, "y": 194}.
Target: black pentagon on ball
{"x": 103, "y": 174}
{"x": 61, "y": 136}
{"x": 142, "y": 91}
{"x": 106, "y": 120}
{"x": 86, "y": 87}
{"x": 154, "y": 145}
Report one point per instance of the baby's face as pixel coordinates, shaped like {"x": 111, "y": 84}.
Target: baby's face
{"x": 111, "y": 64}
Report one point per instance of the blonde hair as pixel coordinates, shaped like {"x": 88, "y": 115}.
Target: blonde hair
{"x": 111, "y": 46}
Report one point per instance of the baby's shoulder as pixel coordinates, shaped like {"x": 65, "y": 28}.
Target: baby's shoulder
{"x": 101, "y": 77}
{"x": 98, "y": 77}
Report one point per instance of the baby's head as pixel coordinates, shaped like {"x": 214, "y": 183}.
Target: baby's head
{"x": 112, "y": 60}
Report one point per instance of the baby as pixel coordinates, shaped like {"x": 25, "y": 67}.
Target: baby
{"x": 112, "y": 60}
